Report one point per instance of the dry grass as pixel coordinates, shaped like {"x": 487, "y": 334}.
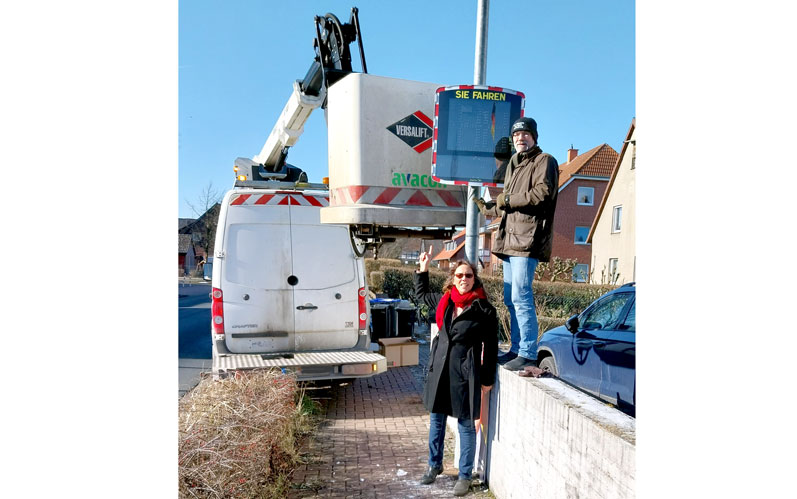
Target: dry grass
{"x": 238, "y": 436}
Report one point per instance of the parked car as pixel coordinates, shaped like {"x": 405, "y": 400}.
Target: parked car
{"x": 596, "y": 350}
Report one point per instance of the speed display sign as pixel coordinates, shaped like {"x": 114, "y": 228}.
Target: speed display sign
{"x": 470, "y": 121}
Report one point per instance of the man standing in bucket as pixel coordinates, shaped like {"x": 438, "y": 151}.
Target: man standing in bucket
{"x": 525, "y": 235}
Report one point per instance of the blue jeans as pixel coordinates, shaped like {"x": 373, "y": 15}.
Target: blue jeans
{"x": 467, "y": 443}
{"x": 519, "y": 299}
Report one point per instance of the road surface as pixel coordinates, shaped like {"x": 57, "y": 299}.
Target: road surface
{"x": 194, "y": 321}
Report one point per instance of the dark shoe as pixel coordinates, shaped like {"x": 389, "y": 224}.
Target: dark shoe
{"x": 519, "y": 364}
{"x": 461, "y": 487}
{"x": 506, "y": 357}
{"x": 430, "y": 475}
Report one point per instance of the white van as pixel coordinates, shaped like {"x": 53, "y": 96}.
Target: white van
{"x": 288, "y": 291}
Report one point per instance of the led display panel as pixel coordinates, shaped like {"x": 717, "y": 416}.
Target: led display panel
{"x": 470, "y": 123}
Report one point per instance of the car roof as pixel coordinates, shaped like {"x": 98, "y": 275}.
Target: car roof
{"x": 625, "y": 288}
{"x": 630, "y": 286}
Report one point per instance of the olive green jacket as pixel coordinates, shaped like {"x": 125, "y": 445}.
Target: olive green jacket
{"x": 526, "y": 229}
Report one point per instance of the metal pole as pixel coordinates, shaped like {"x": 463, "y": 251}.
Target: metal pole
{"x": 480, "y": 63}
{"x": 479, "y": 76}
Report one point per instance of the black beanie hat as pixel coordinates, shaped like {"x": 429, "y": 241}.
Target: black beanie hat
{"x": 503, "y": 150}
{"x": 527, "y": 124}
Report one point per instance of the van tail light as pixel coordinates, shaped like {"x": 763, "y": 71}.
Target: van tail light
{"x": 363, "y": 313}
{"x": 217, "y": 311}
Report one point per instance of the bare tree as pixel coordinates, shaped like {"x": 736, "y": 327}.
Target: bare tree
{"x": 206, "y": 209}
{"x": 207, "y": 198}
{"x": 391, "y": 250}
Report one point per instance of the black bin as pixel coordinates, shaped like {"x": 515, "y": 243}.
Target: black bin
{"x": 384, "y": 318}
{"x": 406, "y": 318}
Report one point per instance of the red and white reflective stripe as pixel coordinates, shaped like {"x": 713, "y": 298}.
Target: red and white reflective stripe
{"x": 434, "y": 133}
{"x": 478, "y": 87}
{"x": 426, "y": 144}
{"x": 279, "y": 198}
{"x": 395, "y": 196}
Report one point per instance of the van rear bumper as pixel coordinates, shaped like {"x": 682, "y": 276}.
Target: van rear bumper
{"x": 306, "y": 366}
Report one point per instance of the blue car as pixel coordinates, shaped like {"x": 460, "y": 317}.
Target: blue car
{"x": 596, "y": 350}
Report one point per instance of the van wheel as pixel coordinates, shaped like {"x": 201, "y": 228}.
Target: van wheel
{"x": 356, "y": 244}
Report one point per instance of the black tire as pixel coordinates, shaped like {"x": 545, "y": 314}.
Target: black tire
{"x": 548, "y": 364}
{"x": 356, "y": 244}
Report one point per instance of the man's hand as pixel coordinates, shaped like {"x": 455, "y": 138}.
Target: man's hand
{"x": 483, "y": 205}
{"x": 503, "y": 202}
{"x": 423, "y": 260}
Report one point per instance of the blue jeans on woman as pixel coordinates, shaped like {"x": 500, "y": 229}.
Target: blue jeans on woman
{"x": 467, "y": 443}
{"x": 519, "y": 299}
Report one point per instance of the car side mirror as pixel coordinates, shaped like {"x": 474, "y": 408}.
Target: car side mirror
{"x": 572, "y": 324}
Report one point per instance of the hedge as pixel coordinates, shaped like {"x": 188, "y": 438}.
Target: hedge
{"x": 554, "y": 301}
{"x": 375, "y": 265}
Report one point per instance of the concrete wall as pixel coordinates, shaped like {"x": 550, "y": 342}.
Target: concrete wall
{"x": 549, "y": 440}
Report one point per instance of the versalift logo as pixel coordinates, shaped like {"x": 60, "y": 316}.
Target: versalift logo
{"x": 415, "y": 130}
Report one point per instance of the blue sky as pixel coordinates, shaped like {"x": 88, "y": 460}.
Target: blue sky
{"x": 89, "y": 128}
{"x": 574, "y": 60}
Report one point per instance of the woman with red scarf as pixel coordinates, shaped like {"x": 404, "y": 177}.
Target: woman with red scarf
{"x": 458, "y": 375}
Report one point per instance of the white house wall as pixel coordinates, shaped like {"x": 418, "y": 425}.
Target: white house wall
{"x": 620, "y": 245}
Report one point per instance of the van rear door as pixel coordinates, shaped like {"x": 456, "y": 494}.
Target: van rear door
{"x": 258, "y": 299}
{"x": 325, "y": 296}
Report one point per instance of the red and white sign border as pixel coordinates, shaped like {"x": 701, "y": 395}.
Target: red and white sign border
{"x": 434, "y": 136}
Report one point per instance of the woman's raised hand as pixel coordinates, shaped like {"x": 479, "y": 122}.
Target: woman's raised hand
{"x": 423, "y": 260}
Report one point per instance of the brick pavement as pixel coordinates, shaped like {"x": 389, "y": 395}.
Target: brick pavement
{"x": 373, "y": 442}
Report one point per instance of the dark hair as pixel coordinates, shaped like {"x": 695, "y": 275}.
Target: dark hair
{"x": 477, "y": 283}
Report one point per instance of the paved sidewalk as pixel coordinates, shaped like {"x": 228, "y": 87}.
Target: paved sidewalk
{"x": 373, "y": 442}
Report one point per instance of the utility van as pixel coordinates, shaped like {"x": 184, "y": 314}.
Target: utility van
{"x": 288, "y": 291}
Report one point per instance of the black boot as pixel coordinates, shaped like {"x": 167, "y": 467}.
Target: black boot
{"x": 506, "y": 357}
{"x": 461, "y": 487}
{"x": 519, "y": 364}
{"x": 430, "y": 475}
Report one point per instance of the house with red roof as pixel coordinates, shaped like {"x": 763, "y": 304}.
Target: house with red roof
{"x": 582, "y": 183}
{"x": 411, "y": 248}
{"x": 453, "y": 250}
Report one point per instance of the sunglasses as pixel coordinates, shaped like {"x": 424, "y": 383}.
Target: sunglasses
{"x": 460, "y": 276}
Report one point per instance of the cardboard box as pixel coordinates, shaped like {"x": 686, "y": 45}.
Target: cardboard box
{"x": 400, "y": 351}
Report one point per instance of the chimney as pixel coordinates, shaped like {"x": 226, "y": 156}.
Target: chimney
{"x": 571, "y": 153}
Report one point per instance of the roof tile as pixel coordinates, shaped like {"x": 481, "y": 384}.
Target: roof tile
{"x": 597, "y": 162}
{"x": 447, "y": 254}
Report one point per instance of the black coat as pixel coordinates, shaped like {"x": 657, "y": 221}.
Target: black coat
{"x": 456, "y": 373}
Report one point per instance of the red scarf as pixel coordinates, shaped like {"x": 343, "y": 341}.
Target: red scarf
{"x": 459, "y": 300}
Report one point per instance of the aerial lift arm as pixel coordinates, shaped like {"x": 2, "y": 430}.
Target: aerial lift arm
{"x": 289, "y": 127}
{"x": 332, "y": 61}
